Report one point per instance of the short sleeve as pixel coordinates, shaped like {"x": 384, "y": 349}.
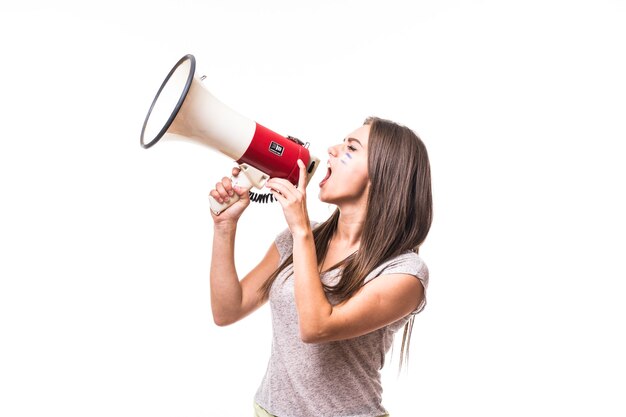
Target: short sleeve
{"x": 284, "y": 244}
{"x": 409, "y": 263}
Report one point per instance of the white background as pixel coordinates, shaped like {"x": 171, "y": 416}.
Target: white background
{"x": 105, "y": 247}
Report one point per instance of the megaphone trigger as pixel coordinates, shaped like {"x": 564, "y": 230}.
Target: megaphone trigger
{"x": 254, "y": 177}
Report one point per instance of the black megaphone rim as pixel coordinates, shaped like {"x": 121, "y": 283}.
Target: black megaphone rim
{"x": 183, "y": 95}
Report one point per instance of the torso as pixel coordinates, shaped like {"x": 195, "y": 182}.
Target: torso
{"x": 335, "y": 378}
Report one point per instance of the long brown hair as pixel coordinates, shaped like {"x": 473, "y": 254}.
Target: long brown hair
{"x": 399, "y": 212}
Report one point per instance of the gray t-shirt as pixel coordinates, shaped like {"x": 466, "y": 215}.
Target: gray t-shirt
{"x": 332, "y": 379}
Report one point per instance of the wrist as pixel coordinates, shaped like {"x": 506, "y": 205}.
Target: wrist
{"x": 225, "y": 226}
{"x": 303, "y": 232}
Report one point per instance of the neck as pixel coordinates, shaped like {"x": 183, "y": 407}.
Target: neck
{"x": 350, "y": 226}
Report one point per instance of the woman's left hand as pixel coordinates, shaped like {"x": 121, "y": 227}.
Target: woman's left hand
{"x": 292, "y": 200}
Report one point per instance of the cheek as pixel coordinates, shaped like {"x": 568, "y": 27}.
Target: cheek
{"x": 352, "y": 170}
{"x": 358, "y": 174}
{"x": 347, "y": 158}
{"x": 363, "y": 179}
{"x": 354, "y": 163}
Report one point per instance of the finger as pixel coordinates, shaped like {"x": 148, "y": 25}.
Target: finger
{"x": 279, "y": 197}
{"x": 243, "y": 193}
{"x": 278, "y": 186}
{"x": 281, "y": 182}
{"x": 219, "y": 187}
{"x": 216, "y": 196}
{"x": 236, "y": 171}
{"x": 302, "y": 178}
{"x": 228, "y": 186}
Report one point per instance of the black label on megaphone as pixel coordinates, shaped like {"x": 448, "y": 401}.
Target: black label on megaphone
{"x": 276, "y": 148}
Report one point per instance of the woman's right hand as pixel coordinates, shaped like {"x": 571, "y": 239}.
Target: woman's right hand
{"x": 222, "y": 192}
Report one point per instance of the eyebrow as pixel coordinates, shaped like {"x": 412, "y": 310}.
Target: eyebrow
{"x": 354, "y": 140}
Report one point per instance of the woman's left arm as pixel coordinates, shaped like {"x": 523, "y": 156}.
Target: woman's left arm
{"x": 382, "y": 301}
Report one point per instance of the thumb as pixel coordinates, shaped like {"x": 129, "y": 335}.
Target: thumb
{"x": 242, "y": 193}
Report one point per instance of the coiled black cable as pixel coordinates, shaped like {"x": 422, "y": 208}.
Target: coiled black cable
{"x": 261, "y": 198}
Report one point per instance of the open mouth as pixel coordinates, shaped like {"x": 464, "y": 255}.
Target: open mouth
{"x": 326, "y": 177}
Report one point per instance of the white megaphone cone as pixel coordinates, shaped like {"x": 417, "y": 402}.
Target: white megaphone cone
{"x": 185, "y": 108}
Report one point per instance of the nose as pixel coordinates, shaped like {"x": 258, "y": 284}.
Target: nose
{"x": 333, "y": 150}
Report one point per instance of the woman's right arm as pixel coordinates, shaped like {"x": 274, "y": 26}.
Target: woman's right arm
{"x": 232, "y": 299}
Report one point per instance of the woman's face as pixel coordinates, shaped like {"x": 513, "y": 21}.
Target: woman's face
{"x": 346, "y": 180}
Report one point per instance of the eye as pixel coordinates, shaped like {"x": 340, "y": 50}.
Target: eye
{"x": 352, "y": 148}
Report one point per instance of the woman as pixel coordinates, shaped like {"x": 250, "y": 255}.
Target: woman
{"x": 338, "y": 290}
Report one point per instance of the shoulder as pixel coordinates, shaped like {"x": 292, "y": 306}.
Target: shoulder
{"x": 409, "y": 263}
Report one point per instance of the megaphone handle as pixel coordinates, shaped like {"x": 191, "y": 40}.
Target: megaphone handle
{"x": 217, "y": 207}
{"x": 248, "y": 177}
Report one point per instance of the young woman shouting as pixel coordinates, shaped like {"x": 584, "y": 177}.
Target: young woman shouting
{"x": 340, "y": 289}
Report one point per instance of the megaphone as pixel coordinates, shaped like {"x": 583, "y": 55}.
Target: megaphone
{"x": 184, "y": 108}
